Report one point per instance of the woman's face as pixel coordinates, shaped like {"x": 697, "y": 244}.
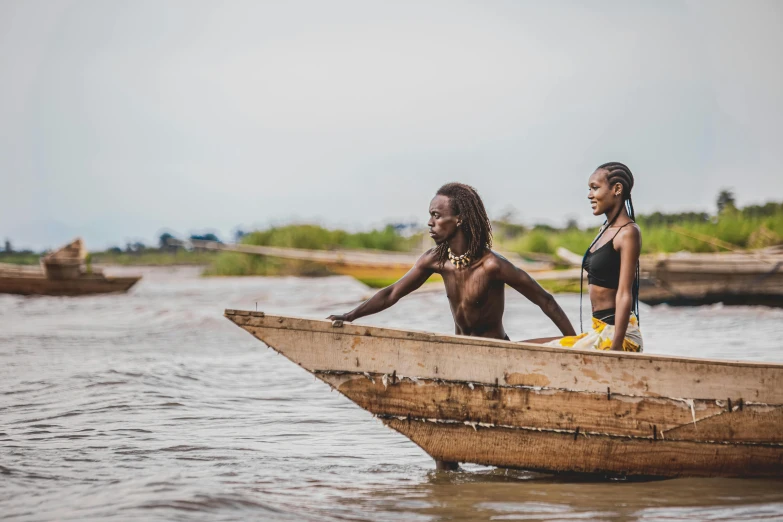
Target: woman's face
{"x": 603, "y": 197}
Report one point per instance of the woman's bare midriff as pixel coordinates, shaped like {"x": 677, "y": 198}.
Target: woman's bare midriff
{"x": 601, "y": 298}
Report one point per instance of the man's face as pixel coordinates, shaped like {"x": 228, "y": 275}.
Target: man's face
{"x": 443, "y": 221}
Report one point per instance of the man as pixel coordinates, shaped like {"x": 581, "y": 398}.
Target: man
{"x": 475, "y": 276}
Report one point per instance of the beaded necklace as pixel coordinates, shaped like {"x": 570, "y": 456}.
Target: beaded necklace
{"x": 462, "y": 261}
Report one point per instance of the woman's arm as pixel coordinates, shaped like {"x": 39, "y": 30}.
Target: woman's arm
{"x": 629, "y": 244}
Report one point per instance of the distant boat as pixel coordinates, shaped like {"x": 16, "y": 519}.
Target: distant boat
{"x": 528, "y": 406}
{"x": 62, "y": 273}
{"x": 356, "y": 263}
{"x": 734, "y": 278}
{"x": 688, "y": 279}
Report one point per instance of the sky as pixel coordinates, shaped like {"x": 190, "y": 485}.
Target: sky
{"x": 122, "y": 119}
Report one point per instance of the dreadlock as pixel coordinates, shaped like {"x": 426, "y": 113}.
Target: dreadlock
{"x": 466, "y": 203}
{"x": 616, "y": 173}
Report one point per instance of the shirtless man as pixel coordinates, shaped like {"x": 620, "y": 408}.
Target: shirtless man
{"x": 475, "y": 276}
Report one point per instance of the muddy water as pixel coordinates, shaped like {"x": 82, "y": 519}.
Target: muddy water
{"x": 152, "y": 406}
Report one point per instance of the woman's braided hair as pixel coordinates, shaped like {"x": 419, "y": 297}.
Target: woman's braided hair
{"x": 619, "y": 173}
{"x": 616, "y": 173}
{"x": 466, "y": 203}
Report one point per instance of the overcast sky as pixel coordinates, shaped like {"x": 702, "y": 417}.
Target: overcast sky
{"x": 121, "y": 118}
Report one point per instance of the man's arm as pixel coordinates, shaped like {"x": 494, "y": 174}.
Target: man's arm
{"x": 527, "y": 286}
{"x": 388, "y": 296}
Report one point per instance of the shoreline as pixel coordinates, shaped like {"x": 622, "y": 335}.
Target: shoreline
{"x": 435, "y": 283}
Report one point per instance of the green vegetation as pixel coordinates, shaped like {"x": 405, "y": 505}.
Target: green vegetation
{"x": 19, "y": 258}
{"x": 153, "y": 257}
{"x": 562, "y": 286}
{"x": 311, "y": 237}
{"x": 754, "y": 226}
{"x": 238, "y": 264}
{"x": 315, "y": 237}
{"x": 546, "y": 240}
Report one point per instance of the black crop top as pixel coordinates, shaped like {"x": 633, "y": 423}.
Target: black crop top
{"x": 603, "y": 265}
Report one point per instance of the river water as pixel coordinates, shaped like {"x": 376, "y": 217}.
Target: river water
{"x": 152, "y": 406}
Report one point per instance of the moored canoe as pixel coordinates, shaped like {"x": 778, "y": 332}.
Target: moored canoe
{"x": 522, "y": 405}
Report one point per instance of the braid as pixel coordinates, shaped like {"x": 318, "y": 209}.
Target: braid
{"x": 619, "y": 173}
{"x": 616, "y": 173}
{"x": 637, "y": 279}
{"x": 476, "y": 225}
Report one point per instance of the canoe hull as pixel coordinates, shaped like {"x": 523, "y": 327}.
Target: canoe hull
{"x": 66, "y": 287}
{"x": 699, "y": 279}
{"x": 553, "y": 452}
{"x": 690, "y": 290}
{"x": 549, "y": 409}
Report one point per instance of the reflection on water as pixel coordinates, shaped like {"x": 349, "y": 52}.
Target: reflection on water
{"x": 494, "y": 494}
{"x": 153, "y": 406}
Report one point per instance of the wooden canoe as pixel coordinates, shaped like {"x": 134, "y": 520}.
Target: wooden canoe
{"x": 688, "y": 279}
{"x": 34, "y": 281}
{"x": 746, "y": 278}
{"x": 522, "y": 405}
{"x": 64, "y": 272}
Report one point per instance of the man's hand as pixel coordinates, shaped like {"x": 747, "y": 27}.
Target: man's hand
{"x": 388, "y": 296}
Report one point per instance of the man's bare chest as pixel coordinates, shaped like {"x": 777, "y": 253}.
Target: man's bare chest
{"x": 469, "y": 289}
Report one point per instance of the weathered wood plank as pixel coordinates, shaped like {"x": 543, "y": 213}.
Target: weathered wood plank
{"x": 606, "y": 413}
{"x": 751, "y": 424}
{"x": 316, "y": 345}
{"x": 566, "y": 452}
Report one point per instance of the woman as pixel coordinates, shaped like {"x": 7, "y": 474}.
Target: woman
{"x": 612, "y": 266}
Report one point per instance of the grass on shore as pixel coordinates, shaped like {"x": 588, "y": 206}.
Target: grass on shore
{"x": 731, "y": 227}
{"x": 661, "y": 233}
{"x": 20, "y": 258}
{"x": 751, "y": 227}
{"x": 154, "y": 257}
{"x": 553, "y": 286}
{"x": 315, "y": 237}
{"x": 238, "y": 264}
{"x": 311, "y": 237}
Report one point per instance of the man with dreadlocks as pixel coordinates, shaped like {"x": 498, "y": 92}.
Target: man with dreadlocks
{"x": 612, "y": 266}
{"x": 474, "y": 275}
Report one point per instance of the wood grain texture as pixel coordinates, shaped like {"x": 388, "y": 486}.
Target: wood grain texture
{"x": 565, "y": 452}
{"x": 317, "y": 346}
{"x": 605, "y": 413}
{"x": 752, "y": 424}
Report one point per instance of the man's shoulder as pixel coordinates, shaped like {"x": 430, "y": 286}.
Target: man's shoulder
{"x": 428, "y": 259}
{"x": 493, "y": 261}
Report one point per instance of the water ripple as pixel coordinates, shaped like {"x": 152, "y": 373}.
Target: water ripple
{"x": 152, "y": 406}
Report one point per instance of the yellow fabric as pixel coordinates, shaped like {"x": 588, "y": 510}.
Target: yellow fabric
{"x": 569, "y": 341}
{"x": 601, "y": 335}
